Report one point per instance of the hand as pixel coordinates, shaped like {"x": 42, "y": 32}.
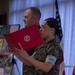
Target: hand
{"x": 21, "y": 52}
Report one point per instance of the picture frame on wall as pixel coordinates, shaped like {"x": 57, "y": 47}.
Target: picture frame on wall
{"x": 3, "y": 30}
{"x": 1, "y": 43}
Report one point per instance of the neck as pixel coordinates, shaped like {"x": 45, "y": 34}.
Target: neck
{"x": 36, "y": 22}
{"x": 48, "y": 39}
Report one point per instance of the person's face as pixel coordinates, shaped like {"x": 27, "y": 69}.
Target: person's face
{"x": 28, "y": 17}
{"x": 45, "y": 30}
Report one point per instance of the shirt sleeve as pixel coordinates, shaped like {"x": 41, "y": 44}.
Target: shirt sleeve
{"x": 51, "y": 59}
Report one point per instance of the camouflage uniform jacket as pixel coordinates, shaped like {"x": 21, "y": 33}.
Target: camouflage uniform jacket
{"x": 50, "y": 48}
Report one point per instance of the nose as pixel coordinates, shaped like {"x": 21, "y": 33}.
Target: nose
{"x": 40, "y": 30}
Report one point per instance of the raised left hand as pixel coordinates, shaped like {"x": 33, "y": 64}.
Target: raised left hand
{"x": 21, "y": 52}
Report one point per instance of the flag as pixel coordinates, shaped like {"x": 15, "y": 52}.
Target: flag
{"x": 58, "y": 18}
{"x": 73, "y": 71}
{"x": 62, "y": 65}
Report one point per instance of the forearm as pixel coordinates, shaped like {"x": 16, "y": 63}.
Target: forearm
{"x": 40, "y": 65}
{"x": 23, "y": 60}
{"x": 26, "y": 62}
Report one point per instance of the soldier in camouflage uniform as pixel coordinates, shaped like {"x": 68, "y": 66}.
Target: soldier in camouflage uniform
{"x": 45, "y": 60}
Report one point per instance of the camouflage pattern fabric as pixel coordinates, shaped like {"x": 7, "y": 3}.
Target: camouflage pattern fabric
{"x": 51, "y": 48}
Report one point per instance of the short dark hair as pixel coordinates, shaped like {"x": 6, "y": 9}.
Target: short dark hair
{"x": 35, "y": 11}
{"x": 53, "y": 23}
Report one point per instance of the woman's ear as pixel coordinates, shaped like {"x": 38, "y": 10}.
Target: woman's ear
{"x": 52, "y": 29}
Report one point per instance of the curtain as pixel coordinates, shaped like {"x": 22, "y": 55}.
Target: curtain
{"x": 47, "y": 8}
{"x": 67, "y": 11}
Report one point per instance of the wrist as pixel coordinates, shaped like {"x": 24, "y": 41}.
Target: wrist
{"x": 27, "y": 58}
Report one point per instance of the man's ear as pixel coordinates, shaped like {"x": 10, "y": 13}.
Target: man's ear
{"x": 34, "y": 17}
